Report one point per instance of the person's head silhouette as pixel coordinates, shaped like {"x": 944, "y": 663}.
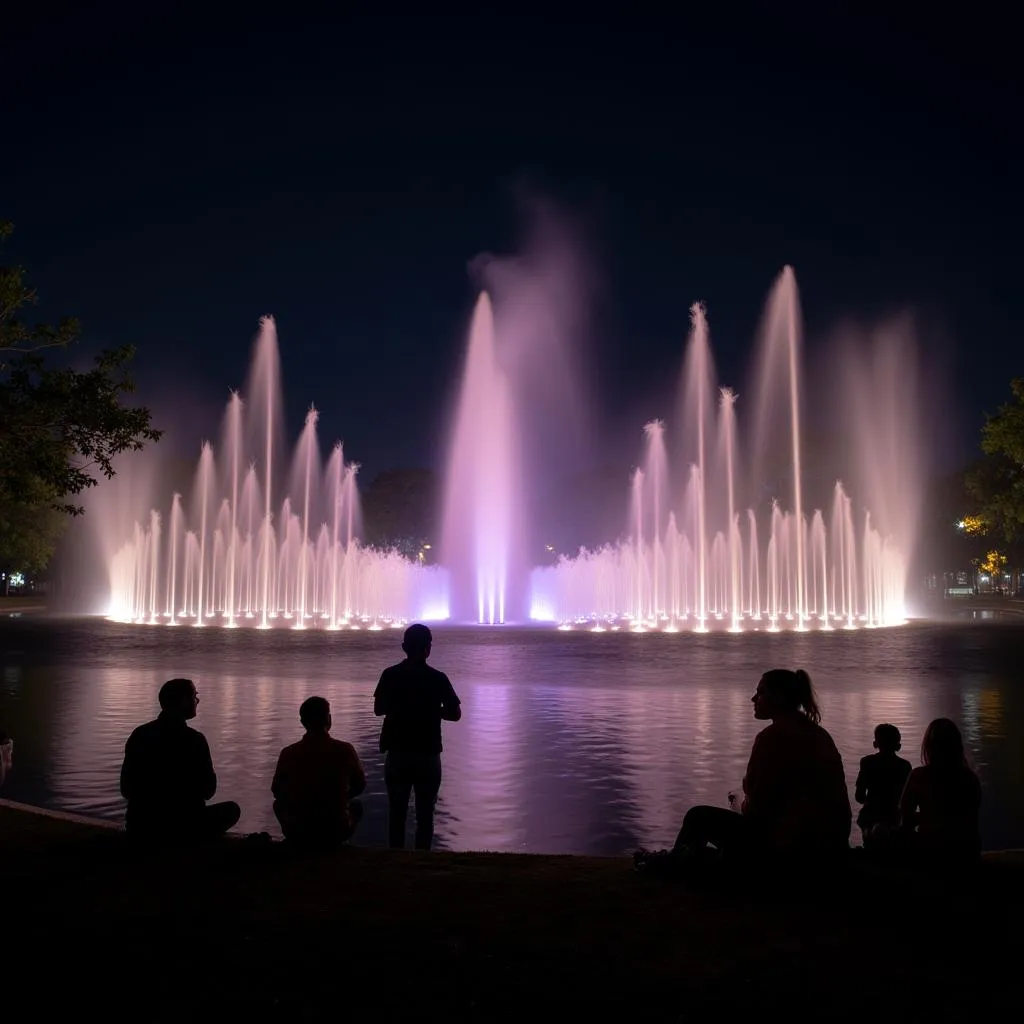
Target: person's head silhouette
{"x": 416, "y": 642}
{"x": 179, "y": 699}
{"x": 887, "y": 738}
{"x": 783, "y": 692}
{"x": 943, "y": 745}
{"x": 315, "y": 714}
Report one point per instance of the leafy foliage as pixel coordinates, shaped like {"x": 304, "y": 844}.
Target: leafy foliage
{"x": 997, "y": 483}
{"x": 993, "y": 563}
{"x": 60, "y": 429}
{"x": 974, "y": 526}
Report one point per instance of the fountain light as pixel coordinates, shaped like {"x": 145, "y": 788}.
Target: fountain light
{"x": 264, "y": 538}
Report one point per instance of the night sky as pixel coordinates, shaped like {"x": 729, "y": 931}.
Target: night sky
{"x": 175, "y": 173}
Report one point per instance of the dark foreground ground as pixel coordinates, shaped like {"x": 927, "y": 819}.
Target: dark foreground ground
{"x": 236, "y": 933}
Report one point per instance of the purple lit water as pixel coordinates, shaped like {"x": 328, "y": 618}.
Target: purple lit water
{"x": 570, "y": 742}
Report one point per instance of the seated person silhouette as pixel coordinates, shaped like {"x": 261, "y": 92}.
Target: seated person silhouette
{"x": 315, "y": 782}
{"x": 942, "y": 799}
{"x": 6, "y": 755}
{"x": 795, "y": 802}
{"x": 167, "y": 775}
{"x": 880, "y": 783}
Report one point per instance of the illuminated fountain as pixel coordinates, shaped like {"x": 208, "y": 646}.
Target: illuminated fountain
{"x": 703, "y": 564}
{"x": 483, "y": 488}
{"x": 718, "y": 534}
{"x": 233, "y": 561}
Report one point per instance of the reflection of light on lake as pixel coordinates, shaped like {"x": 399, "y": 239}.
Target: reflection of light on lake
{"x": 566, "y": 745}
{"x": 990, "y": 713}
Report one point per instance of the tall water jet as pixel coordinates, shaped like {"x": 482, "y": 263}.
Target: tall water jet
{"x": 233, "y": 429}
{"x": 308, "y": 467}
{"x": 483, "y": 488}
{"x": 792, "y": 317}
{"x": 698, "y": 385}
{"x": 729, "y": 444}
{"x": 778, "y": 415}
{"x": 656, "y": 473}
{"x": 205, "y": 478}
{"x": 637, "y": 502}
{"x": 264, "y": 428}
{"x": 335, "y": 469}
{"x": 154, "y": 561}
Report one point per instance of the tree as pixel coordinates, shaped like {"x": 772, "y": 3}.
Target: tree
{"x": 997, "y": 483}
{"x": 993, "y": 564}
{"x": 60, "y": 429}
{"x": 400, "y": 511}
{"x": 973, "y": 526}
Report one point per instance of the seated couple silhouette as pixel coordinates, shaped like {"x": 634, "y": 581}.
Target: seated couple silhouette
{"x": 795, "y": 806}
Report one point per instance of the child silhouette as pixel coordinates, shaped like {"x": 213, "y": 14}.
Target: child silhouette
{"x": 880, "y": 785}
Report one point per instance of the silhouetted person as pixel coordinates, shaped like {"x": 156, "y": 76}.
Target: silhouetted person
{"x": 880, "y": 783}
{"x": 942, "y": 799}
{"x": 795, "y": 801}
{"x": 413, "y": 697}
{"x": 6, "y": 755}
{"x": 315, "y": 783}
{"x": 167, "y": 775}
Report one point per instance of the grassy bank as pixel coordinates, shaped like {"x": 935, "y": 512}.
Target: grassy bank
{"x": 479, "y": 936}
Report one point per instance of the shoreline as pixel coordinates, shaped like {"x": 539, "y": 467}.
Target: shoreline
{"x": 106, "y": 825}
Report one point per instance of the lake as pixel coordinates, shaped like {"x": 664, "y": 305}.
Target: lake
{"x": 570, "y": 742}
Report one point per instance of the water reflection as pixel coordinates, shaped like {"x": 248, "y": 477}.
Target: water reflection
{"x": 568, "y": 743}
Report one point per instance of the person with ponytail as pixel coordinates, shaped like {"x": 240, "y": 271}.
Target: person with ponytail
{"x": 795, "y": 802}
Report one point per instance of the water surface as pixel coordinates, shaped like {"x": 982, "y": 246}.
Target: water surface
{"x": 570, "y": 742}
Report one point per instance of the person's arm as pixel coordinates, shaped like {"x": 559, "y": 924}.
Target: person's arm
{"x": 129, "y": 771}
{"x": 861, "y": 789}
{"x": 381, "y": 701}
{"x": 451, "y": 706}
{"x": 910, "y": 801}
{"x": 278, "y": 786}
{"x": 976, "y": 792}
{"x": 207, "y": 777}
{"x": 758, "y": 783}
{"x": 357, "y": 776}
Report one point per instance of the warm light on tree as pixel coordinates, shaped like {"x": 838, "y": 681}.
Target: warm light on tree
{"x": 993, "y": 563}
{"x": 973, "y": 526}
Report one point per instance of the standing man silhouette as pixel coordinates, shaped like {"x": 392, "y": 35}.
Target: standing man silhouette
{"x": 413, "y": 697}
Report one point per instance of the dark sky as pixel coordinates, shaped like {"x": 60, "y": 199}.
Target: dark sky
{"x": 175, "y": 173}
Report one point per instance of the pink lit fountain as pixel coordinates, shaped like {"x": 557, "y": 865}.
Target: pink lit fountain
{"x": 242, "y": 558}
{"x": 702, "y": 564}
{"x": 736, "y": 520}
